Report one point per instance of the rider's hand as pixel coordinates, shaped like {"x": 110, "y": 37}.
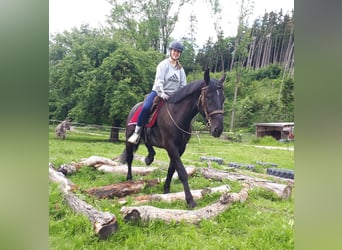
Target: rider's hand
{"x": 164, "y": 96}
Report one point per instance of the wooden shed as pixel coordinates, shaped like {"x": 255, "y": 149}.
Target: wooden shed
{"x": 279, "y": 130}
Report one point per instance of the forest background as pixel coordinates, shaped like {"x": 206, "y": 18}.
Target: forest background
{"x": 97, "y": 74}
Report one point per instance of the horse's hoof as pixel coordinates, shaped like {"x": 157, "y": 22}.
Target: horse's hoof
{"x": 166, "y": 190}
{"x": 149, "y": 160}
{"x": 192, "y": 204}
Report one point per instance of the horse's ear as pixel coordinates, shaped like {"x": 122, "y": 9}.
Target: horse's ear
{"x": 206, "y": 76}
{"x": 223, "y": 78}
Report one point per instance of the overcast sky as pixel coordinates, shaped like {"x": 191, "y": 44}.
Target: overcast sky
{"x": 66, "y": 14}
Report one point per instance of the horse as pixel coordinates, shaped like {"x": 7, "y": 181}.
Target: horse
{"x": 62, "y": 128}
{"x": 172, "y": 129}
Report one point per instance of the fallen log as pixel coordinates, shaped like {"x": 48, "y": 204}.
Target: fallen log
{"x": 110, "y": 166}
{"x": 171, "y": 197}
{"x": 270, "y": 178}
{"x": 95, "y": 161}
{"x": 121, "y": 189}
{"x": 149, "y": 213}
{"x": 104, "y": 223}
{"x": 68, "y": 169}
{"x": 189, "y": 171}
{"x": 122, "y": 169}
{"x": 98, "y": 161}
{"x": 289, "y": 182}
{"x": 281, "y": 190}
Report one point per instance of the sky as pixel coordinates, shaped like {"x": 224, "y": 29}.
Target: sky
{"x": 66, "y": 14}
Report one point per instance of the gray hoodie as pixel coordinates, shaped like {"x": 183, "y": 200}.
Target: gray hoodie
{"x": 168, "y": 78}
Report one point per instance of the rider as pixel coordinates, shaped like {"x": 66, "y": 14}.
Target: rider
{"x": 170, "y": 76}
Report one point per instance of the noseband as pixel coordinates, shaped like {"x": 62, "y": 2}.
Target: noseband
{"x": 202, "y": 100}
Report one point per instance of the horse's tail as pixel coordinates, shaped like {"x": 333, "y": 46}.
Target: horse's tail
{"x": 123, "y": 157}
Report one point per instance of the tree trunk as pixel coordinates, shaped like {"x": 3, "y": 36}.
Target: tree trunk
{"x": 121, "y": 189}
{"x": 281, "y": 190}
{"x": 149, "y": 213}
{"x": 110, "y": 166}
{"x": 114, "y": 131}
{"x": 289, "y": 182}
{"x": 171, "y": 197}
{"x": 104, "y": 223}
{"x": 105, "y": 165}
{"x": 232, "y": 120}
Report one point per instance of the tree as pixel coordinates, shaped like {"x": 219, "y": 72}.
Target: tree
{"x": 128, "y": 76}
{"x": 240, "y": 52}
{"x": 73, "y": 61}
{"x": 137, "y": 20}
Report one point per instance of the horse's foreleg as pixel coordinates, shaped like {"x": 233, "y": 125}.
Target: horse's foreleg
{"x": 176, "y": 163}
{"x": 183, "y": 177}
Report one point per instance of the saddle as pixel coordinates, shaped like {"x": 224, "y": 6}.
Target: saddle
{"x": 157, "y": 104}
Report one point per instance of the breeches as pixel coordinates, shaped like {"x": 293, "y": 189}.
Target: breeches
{"x": 145, "y": 112}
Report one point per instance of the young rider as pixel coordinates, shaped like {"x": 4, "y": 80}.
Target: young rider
{"x": 170, "y": 76}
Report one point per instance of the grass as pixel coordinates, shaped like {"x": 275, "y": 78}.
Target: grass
{"x": 262, "y": 222}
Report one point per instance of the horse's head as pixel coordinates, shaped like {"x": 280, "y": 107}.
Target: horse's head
{"x": 211, "y": 103}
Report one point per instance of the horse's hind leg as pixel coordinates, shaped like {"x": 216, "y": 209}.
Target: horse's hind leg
{"x": 167, "y": 183}
{"x": 150, "y": 157}
{"x": 129, "y": 151}
{"x": 129, "y": 159}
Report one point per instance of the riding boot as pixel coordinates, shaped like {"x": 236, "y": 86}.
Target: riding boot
{"x": 134, "y": 138}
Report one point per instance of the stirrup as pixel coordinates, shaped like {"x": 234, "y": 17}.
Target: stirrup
{"x": 134, "y": 138}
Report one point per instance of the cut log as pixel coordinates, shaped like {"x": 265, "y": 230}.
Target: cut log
{"x": 171, "y": 197}
{"x": 68, "y": 169}
{"x": 121, "y": 189}
{"x": 148, "y": 213}
{"x": 94, "y": 161}
{"x": 122, "y": 169}
{"x": 104, "y": 223}
{"x": 289, "y": 182}
{"x": 281, "y": 190}
{"x": 191, "y": 170}
{"x": 98, "y": 161}
{"x": 110, "y": 166}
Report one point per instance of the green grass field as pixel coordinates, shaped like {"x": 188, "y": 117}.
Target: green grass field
{"x": 262, "y": 222}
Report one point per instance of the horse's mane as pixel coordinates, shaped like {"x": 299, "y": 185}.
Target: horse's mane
{"x": 186, "y": 91}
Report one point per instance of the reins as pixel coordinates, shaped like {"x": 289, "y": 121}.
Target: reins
{"x": 174, "y": 122}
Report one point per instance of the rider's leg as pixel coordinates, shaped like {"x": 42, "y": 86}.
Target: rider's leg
{"x": 143, "y": 117}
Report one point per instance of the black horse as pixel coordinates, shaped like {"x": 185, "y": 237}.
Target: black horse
{"x": 172, "y": 130}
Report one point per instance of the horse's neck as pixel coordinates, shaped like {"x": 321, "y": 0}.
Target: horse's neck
{"x": 187, "y": 108}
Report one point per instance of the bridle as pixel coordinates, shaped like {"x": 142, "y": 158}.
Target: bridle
{"x": 201, "y": 101}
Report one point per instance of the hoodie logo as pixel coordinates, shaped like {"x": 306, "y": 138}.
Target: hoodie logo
{"x": 173, "y": 78}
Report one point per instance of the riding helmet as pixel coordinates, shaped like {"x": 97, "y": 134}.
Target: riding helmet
{"x": 177, "y": 46}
